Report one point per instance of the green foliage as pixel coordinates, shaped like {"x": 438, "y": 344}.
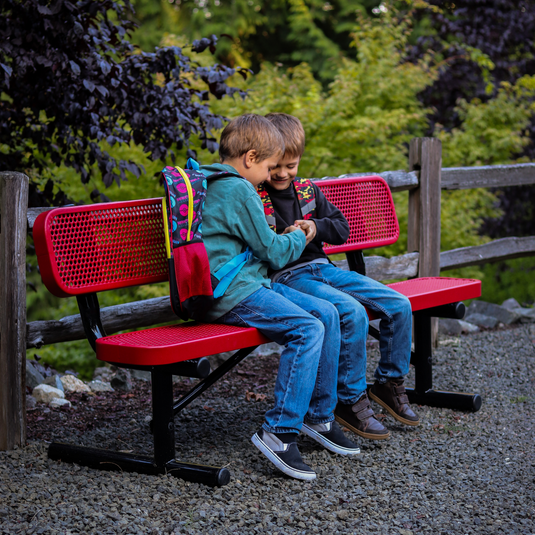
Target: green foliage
{"x": 75, "y": 356}
{"x": 493, "y": 132}
{"x": 366, "y": 118}
{"x": 284, "y": 31}
{"x": 513, "y": 278}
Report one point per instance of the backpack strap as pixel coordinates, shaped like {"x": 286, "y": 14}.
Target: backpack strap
{"x": 228, "y": 272}
{"x": 269, "y": 212}
{"x": 305, "y": 194}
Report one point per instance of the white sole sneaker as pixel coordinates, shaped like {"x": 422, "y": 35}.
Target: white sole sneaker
{"x": 328, "y": 443}
{"x": 304, "y": 475}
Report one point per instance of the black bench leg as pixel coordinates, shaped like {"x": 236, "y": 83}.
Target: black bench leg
{"x": 164, "y": 446}
{"x": 422, "y": 359}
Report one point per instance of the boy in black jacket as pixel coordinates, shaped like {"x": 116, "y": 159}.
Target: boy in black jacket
{"x": 289, "y": 200}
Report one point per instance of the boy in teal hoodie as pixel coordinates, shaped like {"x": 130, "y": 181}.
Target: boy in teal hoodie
{"x": 233, "y": 219}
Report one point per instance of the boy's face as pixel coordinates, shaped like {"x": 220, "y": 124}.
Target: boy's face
{"x": 258, "y": 171}
{"x": 284, "y": 172}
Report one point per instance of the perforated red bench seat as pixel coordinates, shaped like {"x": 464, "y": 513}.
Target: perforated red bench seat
{"x": 175, "y": 343}
{"x": 430, "y": 292}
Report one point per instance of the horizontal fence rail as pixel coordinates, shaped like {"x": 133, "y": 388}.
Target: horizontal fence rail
{"x": 489, "y": 176}
{"x": 396, "y": 180}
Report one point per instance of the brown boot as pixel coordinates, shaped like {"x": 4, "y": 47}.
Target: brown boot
{"x": 392, "y": 396}
{"x": 360, "y": 419}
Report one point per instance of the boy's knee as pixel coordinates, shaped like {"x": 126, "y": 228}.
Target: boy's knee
{"x": 331, "y": 315}
{"x": 314, "y": 327}
{"x": 405, "y": 306}
{"x": 355, "y": 314}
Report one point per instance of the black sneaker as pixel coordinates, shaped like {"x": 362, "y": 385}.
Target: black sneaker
{"x": 281, "y": 450}
{"x": 330, "y": 436}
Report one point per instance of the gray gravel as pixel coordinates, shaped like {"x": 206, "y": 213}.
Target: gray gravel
{"x": 458, "y": 473}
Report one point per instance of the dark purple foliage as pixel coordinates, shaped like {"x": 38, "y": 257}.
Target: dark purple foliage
{"x": 70, "y": 79}
{"x": 505, "y": 31}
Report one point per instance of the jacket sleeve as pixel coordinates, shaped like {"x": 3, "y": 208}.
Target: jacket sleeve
{"x": 276, "y": 250}
{"x": 331, "y": 225}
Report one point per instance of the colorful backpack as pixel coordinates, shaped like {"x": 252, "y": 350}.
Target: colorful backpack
{"x": 192, "y": 287}
{"x": 305, "y": 194}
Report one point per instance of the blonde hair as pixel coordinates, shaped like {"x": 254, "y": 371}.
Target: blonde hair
{"x": 292, "y": 132}
{"x": 250, "y": 132}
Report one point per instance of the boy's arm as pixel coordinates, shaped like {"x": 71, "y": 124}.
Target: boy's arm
{"x": 331, "y": 225}
{"x": 277, "y": 250}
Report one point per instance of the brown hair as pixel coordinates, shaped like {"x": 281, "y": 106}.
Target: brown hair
{"x": 250, "y": 132}
{"x": 292, "y": 132}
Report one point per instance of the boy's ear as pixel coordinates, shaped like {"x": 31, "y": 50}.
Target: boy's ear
{"x": 249, "y": 158}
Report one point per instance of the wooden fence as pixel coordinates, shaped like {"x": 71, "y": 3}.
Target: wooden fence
{"x": 424, "y": 181}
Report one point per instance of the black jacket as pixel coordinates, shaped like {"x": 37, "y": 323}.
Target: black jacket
{"x": 332, "y": 227}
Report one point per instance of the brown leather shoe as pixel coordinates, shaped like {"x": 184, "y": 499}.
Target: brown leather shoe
{"x": 360, "y": 419}
{"x": 392, "y": 396}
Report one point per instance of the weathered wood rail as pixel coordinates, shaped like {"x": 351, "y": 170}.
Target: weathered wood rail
{"x": 423, "y": 181}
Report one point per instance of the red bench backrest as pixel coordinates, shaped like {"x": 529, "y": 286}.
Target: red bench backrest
{"x": 100, "y": 247}
{"x": 367, "y": 204}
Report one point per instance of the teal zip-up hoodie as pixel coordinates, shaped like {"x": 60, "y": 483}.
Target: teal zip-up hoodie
{"x": 233, "y": 218}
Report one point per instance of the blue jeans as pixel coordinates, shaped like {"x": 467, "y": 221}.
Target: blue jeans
{"x": 349, "y": 292}
{"x": 305, "y": 389}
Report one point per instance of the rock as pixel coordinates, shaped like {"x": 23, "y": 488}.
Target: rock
{"x": 56, "y": 403}
{"x": 449, "y": 326}
{"x": 100, "y": 386}
{"x": 527, "y": 315}
{"x": 502, "y": 314}
{"x": 218, "y": 359}
{"x": 511, "y": 304}
{"x": 55, "y": 381}
{"x": 31, "y": 402}
{"x": 468, "y": 327}
{"x": 481, "y": 320}
{"x": 73, "y": 384}
{"x": 140, "y": 374}
{"x": 103, "y": 373}
{"x": 343, "y": 514}
{"x": 122, "y": 380}
{"x": 266, "y": 350}
{"x": 33, "y": 376}
{"x": 46, "y": 393}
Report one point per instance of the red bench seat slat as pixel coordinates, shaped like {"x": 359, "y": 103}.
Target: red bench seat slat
{"x": 175, "y": 343}
{"x": 429, "y": 292}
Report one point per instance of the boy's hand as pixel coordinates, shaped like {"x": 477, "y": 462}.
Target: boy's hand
{"x": 308, "y": 227}
{"x": 292, "y": 228}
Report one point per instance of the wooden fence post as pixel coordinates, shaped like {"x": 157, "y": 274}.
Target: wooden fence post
{"x": 425, "y": 155}
{"x": 13, "y": 230}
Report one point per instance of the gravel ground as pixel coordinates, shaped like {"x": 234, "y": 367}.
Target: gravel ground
{"x": 457, "y": 473}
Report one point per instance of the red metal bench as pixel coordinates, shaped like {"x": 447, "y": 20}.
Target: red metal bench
{"x": 83, "y": 250}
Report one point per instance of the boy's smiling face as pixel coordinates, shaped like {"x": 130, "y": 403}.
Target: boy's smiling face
{"x": 284, "y": 173}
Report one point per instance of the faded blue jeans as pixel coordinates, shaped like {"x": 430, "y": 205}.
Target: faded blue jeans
{"x": 308, "y": 328}
{"x": 349, "y": 292}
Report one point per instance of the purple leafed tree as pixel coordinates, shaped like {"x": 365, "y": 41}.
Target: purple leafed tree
{"x": 70, "y": 80}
